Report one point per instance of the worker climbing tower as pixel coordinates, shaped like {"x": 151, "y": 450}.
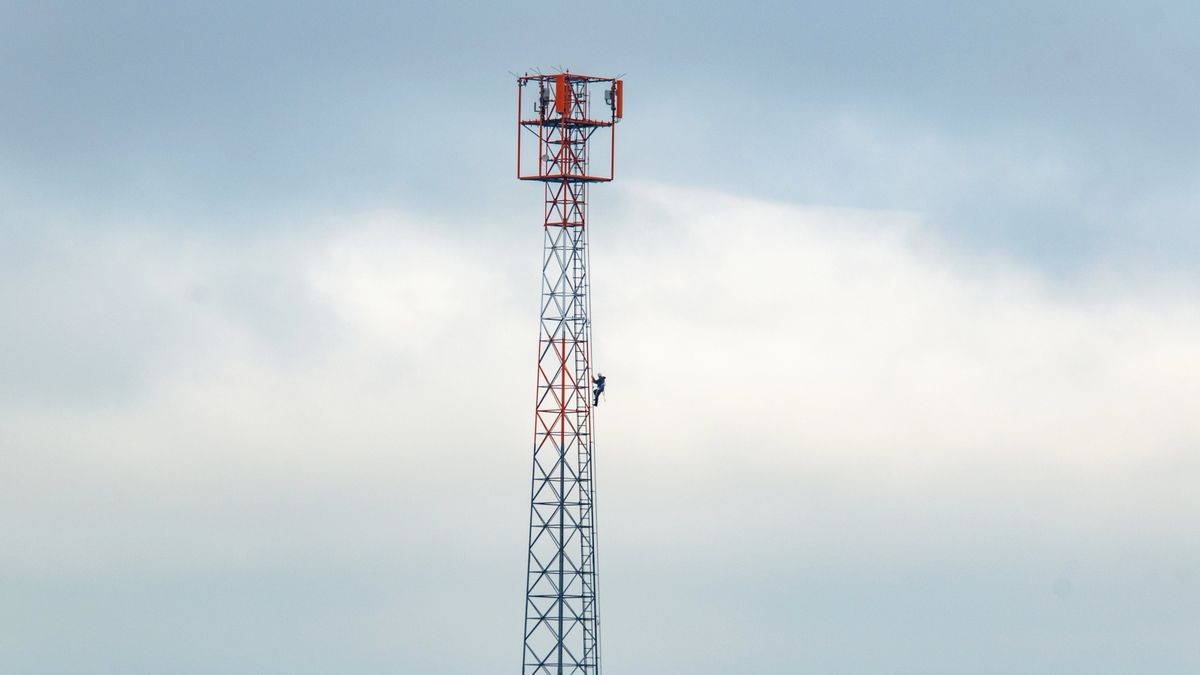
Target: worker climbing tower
{"x": 558, "y": 141}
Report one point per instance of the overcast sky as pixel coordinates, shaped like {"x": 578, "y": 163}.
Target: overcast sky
{"x": 899, "y": 304}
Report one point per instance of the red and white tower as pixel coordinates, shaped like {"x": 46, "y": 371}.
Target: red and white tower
{"x": 565, "y": 121}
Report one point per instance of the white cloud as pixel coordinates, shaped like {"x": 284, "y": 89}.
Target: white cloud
{"x": 792, "y": 390}
{"x": 787, "y": 350}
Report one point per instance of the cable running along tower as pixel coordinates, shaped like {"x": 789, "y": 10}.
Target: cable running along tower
{"x": 562, "y": 619}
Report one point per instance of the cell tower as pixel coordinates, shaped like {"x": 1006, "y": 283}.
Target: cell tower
{"x": 562, "y": 618}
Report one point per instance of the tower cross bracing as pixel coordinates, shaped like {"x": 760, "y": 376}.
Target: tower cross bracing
{"x": 562, "y": 619}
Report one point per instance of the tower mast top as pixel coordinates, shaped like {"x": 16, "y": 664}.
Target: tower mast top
{"x": 561, "y": 107}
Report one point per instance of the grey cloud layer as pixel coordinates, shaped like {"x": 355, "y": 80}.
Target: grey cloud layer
{"x": 1059, "y": 132}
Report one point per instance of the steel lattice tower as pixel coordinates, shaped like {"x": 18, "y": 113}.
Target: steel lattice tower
{"x": 562, "y": 620}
